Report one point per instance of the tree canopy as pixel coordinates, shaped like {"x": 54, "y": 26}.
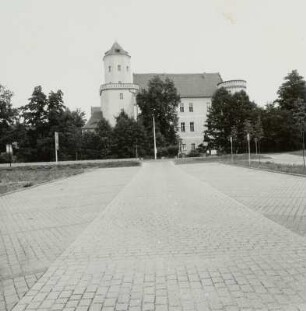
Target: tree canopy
{"x": 7, "y": 115}
{"x": 230, "y": 115}
{"x": 292, "y": 90}
{"x": 161, "y": 100}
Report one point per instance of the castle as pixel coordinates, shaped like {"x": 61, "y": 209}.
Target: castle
{"x": 121, "y": 86}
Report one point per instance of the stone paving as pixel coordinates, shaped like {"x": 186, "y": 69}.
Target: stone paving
{"x": 169, "y": 241}
{"x": 280, "y": 197}
{"x": 37, "y": 225}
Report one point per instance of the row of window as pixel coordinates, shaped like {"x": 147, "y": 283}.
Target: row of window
{"x": 184, "y": 147}
{"x": 191, "y": 126}
{"x": 182, "y": 107}
{"x": 118, "y": 68}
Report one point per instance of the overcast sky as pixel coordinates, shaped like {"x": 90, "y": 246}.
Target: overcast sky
{"x": 59, "y": 44}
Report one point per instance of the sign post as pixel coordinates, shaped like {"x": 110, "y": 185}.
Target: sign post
{"x": 9, "y": 151}
{"x": 56, "y": 145}
{"x": 231, "y": 140}
{"x": 249, "y": 148}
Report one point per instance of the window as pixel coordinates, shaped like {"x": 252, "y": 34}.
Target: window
{"x": 109, "y": 68}
{"x": 183, "y": 127}
{"x": 192, "y": 147}
{"x": 181, "y": 107}
{"x": 191, "y": 126}
{"x": 190, "y": 107}
{"x": 184, "y": 147}
{"x": 121, "y": 95}
{"x": 127, "y": 68}
{"x": 119, "y": 67}
{"x": 208, "y": 106}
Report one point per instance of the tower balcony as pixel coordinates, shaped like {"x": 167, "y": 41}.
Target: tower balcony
{"x": 119, "y": 86}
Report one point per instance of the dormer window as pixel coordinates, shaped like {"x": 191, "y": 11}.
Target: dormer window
{"x": 119, "y": 67}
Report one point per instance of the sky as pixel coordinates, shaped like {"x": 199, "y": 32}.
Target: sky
{"x": 60, "y": 44}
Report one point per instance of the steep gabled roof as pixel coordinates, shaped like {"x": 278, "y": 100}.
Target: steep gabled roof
{"x": 116, "y": 49}
{"x": 96, "y": 116}
{"x": 187, "y": 84}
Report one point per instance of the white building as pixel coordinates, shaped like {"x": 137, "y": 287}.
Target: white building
{"x": 121, "y": 86}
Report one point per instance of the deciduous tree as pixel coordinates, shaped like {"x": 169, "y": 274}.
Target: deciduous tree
{"x": 161, "y": 100}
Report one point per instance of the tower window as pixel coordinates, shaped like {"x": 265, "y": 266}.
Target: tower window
{"x": 119, "y": 67}
{"x": 121, "y": 95}
{"x": 183, "y": 127}
{"x": 190, "y": 107}
{"x": 109, "y": 68}
{"x": 191, "y": 126}
{"x": 181, "y": 107}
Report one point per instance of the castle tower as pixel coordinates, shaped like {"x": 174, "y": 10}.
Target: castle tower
{"x": 233, "y": 86}
{"x": 118, "y": 92}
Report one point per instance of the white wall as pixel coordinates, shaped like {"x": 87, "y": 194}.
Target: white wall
{"x": 111, "y": 104}
{"x": 198, "y": 116}
{"x": 115, "y": 76}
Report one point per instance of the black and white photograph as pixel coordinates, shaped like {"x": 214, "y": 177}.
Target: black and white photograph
{"x": 152, "y": 155}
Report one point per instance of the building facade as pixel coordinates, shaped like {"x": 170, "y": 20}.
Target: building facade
{"x": 121, "y": 86}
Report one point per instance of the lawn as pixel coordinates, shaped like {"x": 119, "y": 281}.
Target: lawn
{"x": 298, "y": 152}
{"x": 257, "y": 162}
{"x": 18, "y": 177}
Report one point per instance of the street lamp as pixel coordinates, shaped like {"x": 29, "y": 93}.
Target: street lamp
{"x": 154, "y": 136}
{"x": 231, "y": 141}
{"x": 249, "y": 148}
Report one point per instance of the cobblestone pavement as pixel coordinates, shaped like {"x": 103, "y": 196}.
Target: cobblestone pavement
{"x": 285, "y": 158}
{"x": 280, "y": 197}
{"x": 37, "y": 225}
{"x": 171, "y": 242}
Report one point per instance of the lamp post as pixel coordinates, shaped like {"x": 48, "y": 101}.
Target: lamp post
{"x": 249, "y": 148}
{"x": 154, "y": 137}
{"x": 231, "y": 140}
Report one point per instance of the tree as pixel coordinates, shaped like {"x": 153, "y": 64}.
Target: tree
{"x": 282, "y": 131}
{"x": 35, "y": 112}
{"x": 161, "y": 100}
{"x": 293, "y": 89}
{"x": 69, "y": 126}
{"x": 299, "y": 116}
{"x": 39, "y": 119}
{"x": 129, "y": 137}
{"x": 258, "y": 133}
{"x": 227, "y": 117}
{"x": 7, "y": 116}
{"x": 105, "y": 132}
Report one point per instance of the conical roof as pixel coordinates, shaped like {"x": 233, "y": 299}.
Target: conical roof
{"x": 116, "y": 49}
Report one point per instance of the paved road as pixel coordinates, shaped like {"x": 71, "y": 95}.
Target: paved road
{"x": 285, "y": 158}
{"x": 279, "y": 197}
{"x": 37, "y": 225}
{"x": 169, "y": 241}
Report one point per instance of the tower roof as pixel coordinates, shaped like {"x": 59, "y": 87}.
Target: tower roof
{"x": 116, "y": 49}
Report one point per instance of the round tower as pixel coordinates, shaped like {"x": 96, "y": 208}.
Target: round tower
{"x": 117, "y": 65}
{"x": 233, "y": 86}
{"x": 118, "y": 92}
